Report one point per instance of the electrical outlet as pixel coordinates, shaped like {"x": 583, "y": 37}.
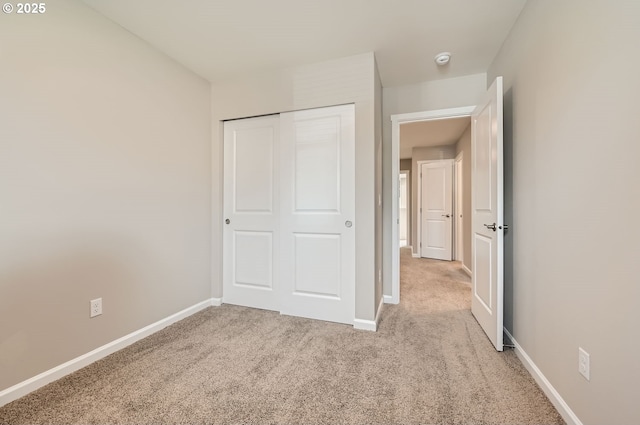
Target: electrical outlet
{"x": 96, "y": 307}
{"x": 583, "y": 363}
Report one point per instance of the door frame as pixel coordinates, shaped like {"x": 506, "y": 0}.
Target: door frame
{"x": 407, "y": 174}
{"x": 419, "y": 202}
{"x": 396, "y": 121}
{"x": 458, "y": 206}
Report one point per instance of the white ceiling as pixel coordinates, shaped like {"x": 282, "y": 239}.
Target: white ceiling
{"x": 218, "y": 39}
{"x": 431, "y": 133}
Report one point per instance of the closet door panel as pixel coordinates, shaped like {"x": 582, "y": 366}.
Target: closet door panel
{"x": 317, "y": 213}
{"x": 251, "y": 211}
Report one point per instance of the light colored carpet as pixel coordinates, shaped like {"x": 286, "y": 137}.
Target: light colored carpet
{"x": 429, "y": 363}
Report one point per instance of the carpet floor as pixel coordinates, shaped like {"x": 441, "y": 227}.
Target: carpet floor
{"x": 429, "y": 363}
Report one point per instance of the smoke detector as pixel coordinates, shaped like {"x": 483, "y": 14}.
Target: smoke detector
{"x": 442, "y": 58}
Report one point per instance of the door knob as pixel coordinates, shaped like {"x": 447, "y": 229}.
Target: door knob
{"x": 446, "y": 215}
{"x": 491, "y": 226}
{"x": 348, "y": 223}
{"x": 227, "y": 221}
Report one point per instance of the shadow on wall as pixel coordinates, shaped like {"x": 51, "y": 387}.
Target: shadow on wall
{"x": 508, "y": 208}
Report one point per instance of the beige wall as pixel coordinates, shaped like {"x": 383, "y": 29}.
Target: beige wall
{"x": 405, "y": 164}
{"x": 105, "y": 187}
{"x": 425, "y": 96}
{"x": 423, "y": 154}
{"x": 572, "y": 198}
{"x": 464, "y": 146}
{"x": 340, "y": 81}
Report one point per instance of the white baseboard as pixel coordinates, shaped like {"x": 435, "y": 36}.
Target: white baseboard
{"x": 390, "y": 299}
{"x": 369, "y": 325}
{"x": 414, "y": 255}
{"x": 216, "y": 302}
{"x": 364, "y": 325}
{"x": 556, "y": 399}
{"x": 466, "y": 270}
{"x": 23, "y": 388}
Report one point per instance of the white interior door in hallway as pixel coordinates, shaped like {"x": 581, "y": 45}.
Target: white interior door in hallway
{"x": 436, "y": 205}
{"x": 289, "y": 196}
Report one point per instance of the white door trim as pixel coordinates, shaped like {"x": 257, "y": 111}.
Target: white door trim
{"x": 458, "y": 202}
{"x": 396, "y": 121}
{"x": 418, "y": 246}
{"x": 407, "y": 174}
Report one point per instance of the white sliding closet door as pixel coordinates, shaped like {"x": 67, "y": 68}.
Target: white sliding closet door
{"x": 289, "y": 198}
{"x": 251, "y": 211}
{"x": 317, "y": 213}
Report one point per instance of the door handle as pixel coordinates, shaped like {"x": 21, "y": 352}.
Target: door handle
{"x": 446, "y": 215}
{"x": 491, "y": 226}
{"x": 227, "y": 221}
{"x": 348, "y": 223}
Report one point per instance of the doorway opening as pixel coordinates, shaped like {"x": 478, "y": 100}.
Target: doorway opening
{"x": 487, "y": 209}
{"x": 423, "y": 146}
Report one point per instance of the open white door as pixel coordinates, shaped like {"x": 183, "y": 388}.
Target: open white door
{"x": 436, "y": 221}
{"x": 487, "y": 214}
